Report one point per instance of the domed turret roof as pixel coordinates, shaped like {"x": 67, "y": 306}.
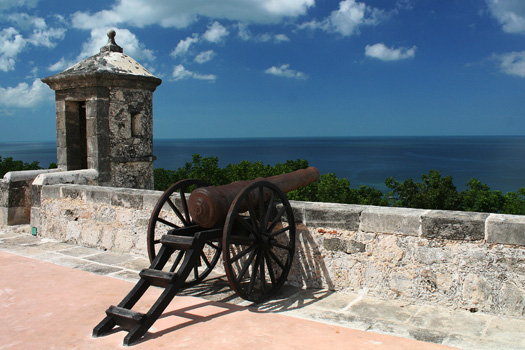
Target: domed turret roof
{"x": 110, "y": 67}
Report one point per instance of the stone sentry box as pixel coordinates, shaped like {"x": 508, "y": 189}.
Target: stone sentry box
{"x": 104, "y": 117}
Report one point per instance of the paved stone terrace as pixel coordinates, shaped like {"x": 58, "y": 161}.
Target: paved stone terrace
{"x": 456, "y": 328}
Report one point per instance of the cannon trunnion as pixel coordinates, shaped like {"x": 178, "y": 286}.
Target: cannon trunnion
{"x": 251, "y": 223}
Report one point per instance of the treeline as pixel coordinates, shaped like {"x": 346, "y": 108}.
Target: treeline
{"x": 7, "y": 164}
{"x": 432, "y": 192}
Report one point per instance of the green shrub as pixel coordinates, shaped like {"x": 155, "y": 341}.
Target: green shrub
{"x": 8, "y": 164}
{"x": 433, "y": 192}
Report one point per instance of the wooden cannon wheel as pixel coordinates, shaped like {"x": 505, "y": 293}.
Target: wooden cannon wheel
{"x": 171, "y": 216}
{"x": 258, "y": 241}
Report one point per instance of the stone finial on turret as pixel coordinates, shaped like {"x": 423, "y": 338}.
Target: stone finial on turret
{"x": 111, "y": 45}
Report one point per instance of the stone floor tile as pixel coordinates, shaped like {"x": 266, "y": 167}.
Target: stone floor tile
{"x": 135, "y": 263}
{"x": 54, "y": 246}
{"x": 80, "y": 252}
{"x": 407, "y": 331}
{"x": 20, "y": 240}
{"x": 392, "y": 311}
{"x": 110, "y": 258}
{"x": 60, "y": 259}
{"x": 468, "y": 343}
{"x": 99, "y": 269}
{"x": 450, "y": 321}
{"x": 506, "y": 329}
{"x": 336, "y": 318}
{"x": 325, "y": 299}
{"x": 126, "y": 275}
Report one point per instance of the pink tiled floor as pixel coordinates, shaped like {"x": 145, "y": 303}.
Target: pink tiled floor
{"x": 45, "y": 306}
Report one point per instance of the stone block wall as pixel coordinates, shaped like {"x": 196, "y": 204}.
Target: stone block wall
{"x": 460, "y": 260}
{"x": 15, "y": 196}
{"x": 131, "y": 137}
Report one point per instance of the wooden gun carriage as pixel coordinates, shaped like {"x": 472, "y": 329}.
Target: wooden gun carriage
{"x": 251, "y": 223}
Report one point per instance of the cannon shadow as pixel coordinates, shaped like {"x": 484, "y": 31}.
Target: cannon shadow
{"x": 309, "y": 281}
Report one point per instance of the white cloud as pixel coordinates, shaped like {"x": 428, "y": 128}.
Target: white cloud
{"x": 215, "y": 33}
{"x": 184, "y": 46}
{"x": 45, "y": 37}
{"x": 180, "y": 73}
{"x": 245, "y": 34}
{"x": 182, "y": 13}
{"x": 512, "y": 63}
{"x": 8, "y": 4}
{"x": 347, "y": 20}
{"x": 285, "y": 71}
{"x": 98, "y": 38}
{"x": 510, "y": 13}
{"x": 281, "y": 38}
{"x": 62, "y": 64}
{"x": 380, "y": 51}
{"x": 205, "y": 56}
{"x": 124, "y": 38}
{"x": 11, "y": 44}
{"x": 25, "y": 96}
{"x": 41, "y": 34}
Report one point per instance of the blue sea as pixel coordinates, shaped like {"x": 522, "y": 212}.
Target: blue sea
{"x": 498, "y": 161}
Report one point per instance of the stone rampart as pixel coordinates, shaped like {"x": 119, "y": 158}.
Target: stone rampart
{"x": 474, "y": 261}
{"x": 15, "y": 196}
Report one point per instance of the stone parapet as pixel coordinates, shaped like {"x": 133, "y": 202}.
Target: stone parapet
{"x": 87, "y": 176}
{"x": 474, "y": 261}
{"x": 15, "y": 196}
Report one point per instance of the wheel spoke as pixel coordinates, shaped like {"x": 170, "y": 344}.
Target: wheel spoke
{"x": 241, "y": 240}
{"x": 261, "y": 271}
{"x": 205, "y": 259}
{"x": 277, "y": 220}
{"x": 253, "y": 216}
{"x": 247, "y": 225}
{"x": 269, "y": 210}
{"x": 184, "y": 204}
{"x": 279, "y": 245}
{"x": 246, "y": 266}
{"x": 254, "y": 273}
{"x": 177, "y": 212}
{"x": 242, "y": 253}
{"x": 276, "y": 259}
{"x": 156, "y": 241}
{"x": 270, "y": 269}
{"x": 166, "y": 222}
{"x": 280, "y": 231}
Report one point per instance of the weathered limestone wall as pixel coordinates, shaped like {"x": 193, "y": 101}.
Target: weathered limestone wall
{"x": 15, "y": 196}
{"x": 79, "y": 177}
{"x": 131, "y": 137}
{"x": 456, "y": 259}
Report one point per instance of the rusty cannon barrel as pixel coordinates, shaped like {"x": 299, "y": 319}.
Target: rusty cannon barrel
{"x": 209, "y": 206}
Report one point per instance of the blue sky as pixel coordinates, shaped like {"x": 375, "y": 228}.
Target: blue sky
{"x": 281, "y": 68}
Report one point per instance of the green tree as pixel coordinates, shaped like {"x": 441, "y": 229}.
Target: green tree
{"x": 367, "y": 196}
{"x": 332, "y": 189}
{"x": 8, "y": 164}
{"x": 478, "y": 197}
{"x": 435, "y": 192}
{"x": 514, "y": 202}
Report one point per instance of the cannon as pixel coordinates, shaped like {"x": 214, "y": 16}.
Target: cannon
{"x": 251, "y": 223}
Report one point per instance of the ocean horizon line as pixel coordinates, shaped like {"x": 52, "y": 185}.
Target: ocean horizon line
{"x": 305, "y": 137}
